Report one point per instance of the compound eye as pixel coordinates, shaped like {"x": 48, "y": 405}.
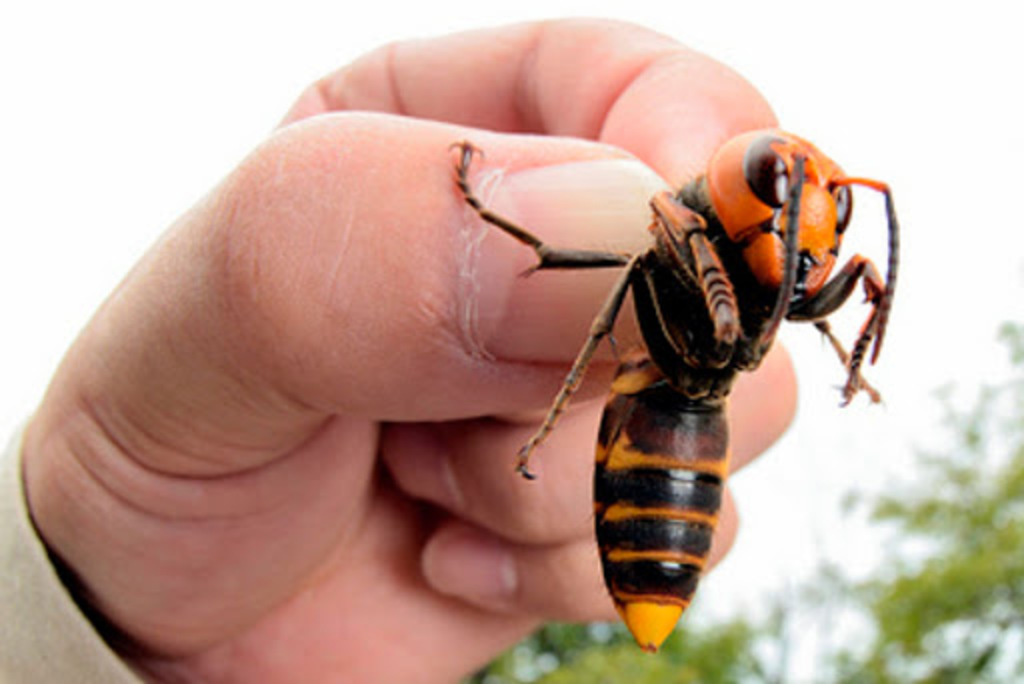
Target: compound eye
{"x": 766, "y": 171}
{"x": 844, "y": 206}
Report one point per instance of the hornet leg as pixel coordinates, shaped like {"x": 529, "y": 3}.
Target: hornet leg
{"x": 832, "y": 296}
{"x": 599, "y": 329}
{"x": 551, "y": 257}
{"x": 547, "y": 256}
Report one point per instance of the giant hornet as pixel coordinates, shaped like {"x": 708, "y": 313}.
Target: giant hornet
{"x": 735, "y": 251}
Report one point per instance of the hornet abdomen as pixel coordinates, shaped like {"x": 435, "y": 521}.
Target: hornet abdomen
{"x": 661, "y": 463}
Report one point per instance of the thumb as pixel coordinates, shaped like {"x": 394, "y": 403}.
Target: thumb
{"x": 353, "y": 250}
{"x": 338, "y": 270}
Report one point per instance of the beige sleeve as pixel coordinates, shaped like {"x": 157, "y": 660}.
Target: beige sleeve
{"x": 43, "y": 636}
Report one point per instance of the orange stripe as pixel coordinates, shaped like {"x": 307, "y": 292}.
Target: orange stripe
{"x": 635, "y": 380}
{"x": 620, "y": 511}
{"x": 625, "y": 555}
{"x": 622, "y": 456}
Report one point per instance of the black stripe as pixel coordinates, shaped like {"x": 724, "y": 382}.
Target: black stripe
{"x": 651, "y": 578}
{"x": 654, "y": 534}
{"x": 660, "y": 488}
{"x": 664, "y": 422}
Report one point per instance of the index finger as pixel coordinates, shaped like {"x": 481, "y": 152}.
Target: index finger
{"x": 601, "y": 80}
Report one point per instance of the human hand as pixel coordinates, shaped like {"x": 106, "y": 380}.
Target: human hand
{"x": 283, "y": 449}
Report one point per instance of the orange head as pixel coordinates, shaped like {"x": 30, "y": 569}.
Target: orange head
{"x": 749, "y": 181}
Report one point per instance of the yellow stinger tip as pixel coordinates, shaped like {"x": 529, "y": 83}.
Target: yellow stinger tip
{"x": 650, "y": 623}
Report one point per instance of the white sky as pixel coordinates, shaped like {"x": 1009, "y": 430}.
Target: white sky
{"x": 117, "y": 116}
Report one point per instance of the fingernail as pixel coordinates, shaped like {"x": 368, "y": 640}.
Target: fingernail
{"x": 472, "y": 565}
{"x": 596, "y": 204}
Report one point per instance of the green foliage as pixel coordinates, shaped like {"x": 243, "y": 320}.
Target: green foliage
{"x": 550, "y": 647}
{"x": 950, "y": 608}
{"x": 606, "y": 654}
{"x": 720, "y": 654}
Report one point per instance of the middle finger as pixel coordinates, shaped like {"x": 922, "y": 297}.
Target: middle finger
{"x": 467, "y": 467}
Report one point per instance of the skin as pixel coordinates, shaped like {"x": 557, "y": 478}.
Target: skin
{"x": 282, "y": 449}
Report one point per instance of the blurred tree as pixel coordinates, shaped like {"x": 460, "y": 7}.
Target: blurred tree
{"x": 606, "y": 654}
{"x": 946, "y": 608}
{"x": 950, "y": 605}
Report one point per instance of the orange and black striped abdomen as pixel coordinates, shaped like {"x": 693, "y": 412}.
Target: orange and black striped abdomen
{"x": 662, "y": 460}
